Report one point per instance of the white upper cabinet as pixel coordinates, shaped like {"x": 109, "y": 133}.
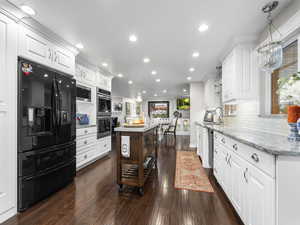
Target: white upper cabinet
{"x": 85, "y": 75}
{"x": 34, "y": 47}
{"x": 103, "y": 82}
{"x": 240, "y": 74}
{"x": 8, "y": 115}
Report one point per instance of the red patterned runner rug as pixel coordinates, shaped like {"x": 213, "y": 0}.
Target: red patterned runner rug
{"x": 190, "y": 174}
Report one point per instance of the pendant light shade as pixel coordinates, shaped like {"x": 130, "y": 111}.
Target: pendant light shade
{"x": 270, "y": 54}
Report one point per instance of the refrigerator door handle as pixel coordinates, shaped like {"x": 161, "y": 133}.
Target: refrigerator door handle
{"x": 53, "y": 102}
{"x": 59, "y": 105}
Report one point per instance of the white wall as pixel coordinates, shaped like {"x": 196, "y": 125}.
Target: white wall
{"x": 212, "y": 100}
{"x": 173, "y": 106}
{"x": 197, "y": 108}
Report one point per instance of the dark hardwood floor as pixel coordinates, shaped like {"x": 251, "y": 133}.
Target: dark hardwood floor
{"x": 94, "y": 199}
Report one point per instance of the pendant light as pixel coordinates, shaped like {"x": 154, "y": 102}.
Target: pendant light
{"x": 270, "y": 54}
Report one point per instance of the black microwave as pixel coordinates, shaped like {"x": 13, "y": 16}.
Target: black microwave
{"x": 83, "y": 93}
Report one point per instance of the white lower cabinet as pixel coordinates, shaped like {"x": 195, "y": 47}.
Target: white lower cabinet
{"x": 260, "y": 198}
{"x": 89, "y": 148}
{"x": 250, "y": 189}
{"x": 103, "y": 146}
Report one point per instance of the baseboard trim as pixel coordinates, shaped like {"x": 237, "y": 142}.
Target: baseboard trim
{"x": 8, "y": 214}
{"x": 193, "y": 146}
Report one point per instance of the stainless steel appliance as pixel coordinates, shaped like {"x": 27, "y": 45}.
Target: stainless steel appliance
{"x": 103, "y": 102}
{"x": 209, "y": 116}
{"x": 104, "y": 125}
{"x": 83, "y": 93}
{"x": 46, "y": 132}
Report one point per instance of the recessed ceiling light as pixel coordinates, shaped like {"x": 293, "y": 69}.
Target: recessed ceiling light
{"x": 104, "y": 64}
{"x": 46, "y": 75}
{"x": 133, "y": 38}
{"x": 155, "y": 95}
{"x": 184, "y": 90}
{"x": 130, "y": 82}
{"x": 157, "y": 80}
{"x": 144, "y": 92}
{"x": 195, "y": 54}
{"x": 146, "y": 60}
{"x": 189, "y": 78}
{"x": 165, "y": 91}
{"x": 153, "y": 72}
{"x": 192, "y": 69}
{"x": 120, "y": 75}
{"x": 79, "y": 46}
{"x": 203, "y": 27}
{"x": 27, "y": 9}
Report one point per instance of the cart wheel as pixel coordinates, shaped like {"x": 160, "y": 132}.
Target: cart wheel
{"x": 120, "y": 187}
{"x": 141, "y": 191}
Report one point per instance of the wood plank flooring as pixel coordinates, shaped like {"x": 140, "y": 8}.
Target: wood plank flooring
{"x": 93, "y": 199}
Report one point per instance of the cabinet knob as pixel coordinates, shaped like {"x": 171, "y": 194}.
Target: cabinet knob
{"x": 235, "y": 147}
{"x": 85, "y": 156}
{"x": 255, "y": 157}
{"x": 85, "y": 131}
{"x": 85, "y": 142}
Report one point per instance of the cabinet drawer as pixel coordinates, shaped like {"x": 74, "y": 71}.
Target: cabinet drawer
{"x": 261, "y": 160}
{"x": 85, "y": 131}
{"x": 85, "y": 141}
{"x": 85, "y": 156}
{"x": 85, "y": 148}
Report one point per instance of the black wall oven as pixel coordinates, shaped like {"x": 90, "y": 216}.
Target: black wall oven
{"x": 103, "y": 126}
{"x": 103, "y": 102}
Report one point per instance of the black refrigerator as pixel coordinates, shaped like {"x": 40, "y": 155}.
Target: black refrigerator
{"x": 46, "y": 132}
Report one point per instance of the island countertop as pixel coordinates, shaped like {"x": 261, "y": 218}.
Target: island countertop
{"x": 270, "y": 143}
{"x": 136, "y": 129}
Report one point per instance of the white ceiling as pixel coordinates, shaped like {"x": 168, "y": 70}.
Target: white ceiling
{"x": 167, "y": 34}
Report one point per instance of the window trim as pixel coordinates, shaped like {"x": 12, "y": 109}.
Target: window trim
{"x": 266, "y": 84}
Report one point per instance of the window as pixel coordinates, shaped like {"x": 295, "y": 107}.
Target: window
{"x": 283, "y": 81}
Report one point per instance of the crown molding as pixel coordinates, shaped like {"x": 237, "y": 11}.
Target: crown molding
{"x": 12, "y": 11}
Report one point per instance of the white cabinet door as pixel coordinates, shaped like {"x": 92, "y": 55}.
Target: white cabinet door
{"x": 260, "y": 200}
{"x": 64, "y": 60}
{"x": 238, "y": 185}
{"x": 8, "y": 103}
{"x": 222, "y": 168}
{"x": 35, "y": 47}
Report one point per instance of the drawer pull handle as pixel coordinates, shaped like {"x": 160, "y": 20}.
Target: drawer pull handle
{"x": 228, "y": 161}
{"x": 254, "y": 156}
{"x": 245, "y": 177}
{"x": 235, "y": 147}
{"x": 85, "y": 142}
{"x": 223, "y": 140}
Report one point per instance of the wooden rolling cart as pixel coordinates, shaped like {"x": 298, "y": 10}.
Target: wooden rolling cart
{"x": 134, "y": 168}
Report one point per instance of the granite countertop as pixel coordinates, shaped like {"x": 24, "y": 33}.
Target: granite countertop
{"x": 267, "y": 142}
{"x": 85, "y": 126}
{"x": 136, "y": 129}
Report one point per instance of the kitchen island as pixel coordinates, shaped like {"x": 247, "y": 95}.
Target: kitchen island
{"x": 136, "y": 155}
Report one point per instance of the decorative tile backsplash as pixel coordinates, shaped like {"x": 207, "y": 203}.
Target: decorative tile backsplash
{"x": 248, "y": 117}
